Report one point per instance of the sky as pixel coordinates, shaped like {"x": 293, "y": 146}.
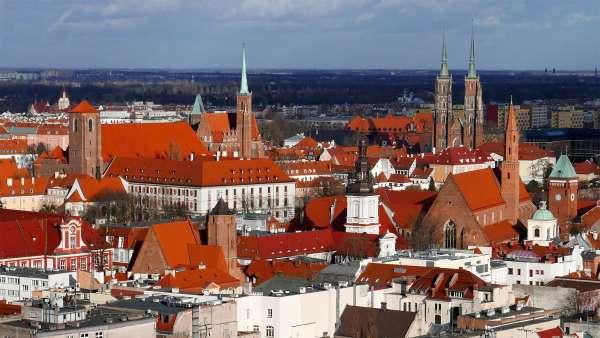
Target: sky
{"x": 301, "y": 34}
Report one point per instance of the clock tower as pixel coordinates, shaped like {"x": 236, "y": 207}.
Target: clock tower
{"x": 562, "y": 191}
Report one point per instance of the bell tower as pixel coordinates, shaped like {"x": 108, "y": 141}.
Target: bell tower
{"x": 562, "y": 191}
{"x": 362, "y": 211}
{"x": 244, "y": 115}
{"x": 85, "y": 140}
{"x": 443, "y": 103}
{"x": 510, "y": 167}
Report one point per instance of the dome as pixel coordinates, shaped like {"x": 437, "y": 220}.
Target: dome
{"x": 543, "y": 214}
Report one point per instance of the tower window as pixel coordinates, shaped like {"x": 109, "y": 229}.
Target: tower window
{"x": 75, "y": 122}
{"x": 90, "y": 125}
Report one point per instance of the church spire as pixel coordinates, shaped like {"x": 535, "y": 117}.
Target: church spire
{"x": 472, "y": 71}
{"x": 444, "y": 70}
{"x": 244, "y": 84}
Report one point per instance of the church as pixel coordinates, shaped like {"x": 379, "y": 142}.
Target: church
{"x": 230, "y": 134}
{"x": 452, "y": 126}
{"x": 480, "y": 207}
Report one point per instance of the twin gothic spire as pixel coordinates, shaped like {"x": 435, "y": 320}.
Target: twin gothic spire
{"x": 472, "y": 72}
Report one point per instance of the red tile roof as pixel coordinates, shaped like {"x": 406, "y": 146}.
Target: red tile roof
{"x": 14, "y": 146}
{"x": 23, "y": 186}
{"x": 26, "y": 234}
{"x": 151, "y": 141}
{"x": 91, "y": 190}
{"x": 8, "y": 168}
{"x": 200, "y": 172}
{"x": 282, "y": 245}
{"x": 551, "y": 333}
{"x": 587, "y": 167}
{"x": 84, "y": 107}
{"x": 457, "y": 156}
{"x": 527, "y": 151}
{"x": 174, "y": 238}
{"x": 221, "y": 123}
{"x": 420, "y": 123}
{"x": 381, "y": 275}
{"x": 263, "y": 270}
{"x": 471, "y": 184}
{"x": 501, "y": 232}
{"x": 307, "y": 143}
{"x": 439, "y": 282}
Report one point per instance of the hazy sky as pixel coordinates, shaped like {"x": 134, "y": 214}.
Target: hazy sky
{"x": 396, "y": 34}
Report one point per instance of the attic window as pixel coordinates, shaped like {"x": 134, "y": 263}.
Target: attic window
{"x": 142, "y": 170}
{"x": 126, "y": 170}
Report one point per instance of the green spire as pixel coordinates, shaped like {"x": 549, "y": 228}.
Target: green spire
{"x": 244, "y": 84}
{"x": 444, "y": 70}
{"x": 563, "y": 168}
{"x": 198, "y": 107}
{"x": 472, "y": 71}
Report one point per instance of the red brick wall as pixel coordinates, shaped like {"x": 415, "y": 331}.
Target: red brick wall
{"x": 450, "y": 204}
{"x": 150, "y": 258}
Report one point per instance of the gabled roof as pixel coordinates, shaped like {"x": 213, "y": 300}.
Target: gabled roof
{"x": 263, "y": 270}
{"x": 471, "y": 185}
{"x": 285, "y": 244}
{"x": 8, "y": 168}
{"x": 551, "y": 333}
{"x": 381, "y": 322}
{"x": 527, "y": 151}
{"x": 84, "y": 107}
{"x": 587, "y": 167}
{"x": 380, "y": 275}
{"x": 150, "y": 141}
{"x": 174, "y": 238}
{"x": 89, "y": 189}
{"x": 438, "y": 282}
{"x": 219, "y": 123}
{"x": 563, "y": 169}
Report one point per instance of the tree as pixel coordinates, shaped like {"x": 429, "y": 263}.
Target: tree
{"x": 432, "y": 185}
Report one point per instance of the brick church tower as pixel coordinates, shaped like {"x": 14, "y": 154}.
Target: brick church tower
{"x": 443, "y": 103}
{"x": 510, "y": 167}
{"x": 473, "y": 131}
{"x": 221, "y": 231}
{"x": 85, "y": 142}
{"x": 562, "y": 191}
{"x": 244, "y": 114}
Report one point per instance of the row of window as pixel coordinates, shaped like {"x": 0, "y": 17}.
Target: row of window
{"x": 531, "y": 272}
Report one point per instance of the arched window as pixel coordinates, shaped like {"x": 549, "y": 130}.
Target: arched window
{"x": 536, "y": 233}
{"x": 450, "y": 235}
{"x": 90, "y": 125}
{"x": 75, "y": 122}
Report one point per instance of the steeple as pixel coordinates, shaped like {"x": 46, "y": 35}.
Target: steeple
{"x": 444, "y": 69}
{"x": 362, "y": 183}
{"x": 244, "y": 85}
{"x": 472, "y": 72}
{"x": 510, "y": 167}
{"x": 198, "y": 107}
{"x": 511, "y": 135}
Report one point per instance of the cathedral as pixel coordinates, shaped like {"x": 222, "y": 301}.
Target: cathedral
{"x": 231, "y": 134}
{"x": 452, "y": 126}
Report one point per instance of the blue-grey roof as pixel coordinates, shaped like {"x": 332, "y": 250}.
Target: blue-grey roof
{"x": 563, "y": 168}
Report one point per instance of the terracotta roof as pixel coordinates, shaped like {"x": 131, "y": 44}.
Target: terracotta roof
{"x": 527, "y": 151}
{"x": 196, "y": 280}
{"x": 221, "y": 123}
{"x": 458, "y": 156}
{"x": 91, "y": 190}
{"x": 500, "y": 232}
{"x": 24, "y": 186}
{"x": 14, "y": 146}
{"x": 438, "y": 282}
{"x": 8, "y": 168}
{"x": 263, "y": 270}
{"x": 306, "y": 142}
{"x": 284, "y": 244}
{"x": 587, "y": 167}
{"x": 472, "y": 183}
{"x": 150, "y": 140}
{"x": 84, "y": 107}
{"x": 380, "y": 275}
{"x": 26, "y": 234}
{"x": 420, "y": 123}
{"x": 201, "y": 172}
{"x": 174, "y": 238}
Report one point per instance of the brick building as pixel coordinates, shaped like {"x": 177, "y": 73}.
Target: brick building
{"x": 476, "y": 208}
{"x": 234, "y": 134}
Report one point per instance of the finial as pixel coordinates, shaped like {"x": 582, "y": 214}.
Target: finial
{"x": 244, "y": 83}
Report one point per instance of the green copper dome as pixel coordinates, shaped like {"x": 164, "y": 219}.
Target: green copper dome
{"x": 543, "y": 214}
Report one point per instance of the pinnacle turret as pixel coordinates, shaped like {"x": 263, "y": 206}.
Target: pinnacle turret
{"x": 444, "y": 69}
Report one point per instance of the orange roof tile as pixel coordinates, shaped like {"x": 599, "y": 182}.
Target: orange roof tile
{"x": 84, "y": 107}
{"x": 500, "y": 232}
{"x": 174, "y": 238}
{"x": 201, "y": 172}
{"x": 150, "y": 140}
{"x": 471, "y": 184}
{"x": 380, "y": 275}
{"x": 92, "y": 189}
{"x": 8, "y": 168}
{"x": 263, "y": 270}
